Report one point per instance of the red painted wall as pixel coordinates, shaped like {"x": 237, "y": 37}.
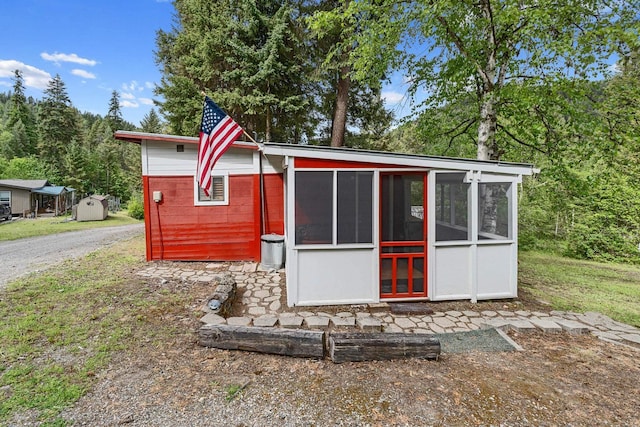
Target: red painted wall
{"x": 303, "y": 162}
{"x": 176, "y": 229}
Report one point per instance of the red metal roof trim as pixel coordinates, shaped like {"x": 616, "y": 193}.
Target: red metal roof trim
{"x": 138, "y": 137}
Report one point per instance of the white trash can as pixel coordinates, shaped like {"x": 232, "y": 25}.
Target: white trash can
{"x": 272, "y": 251}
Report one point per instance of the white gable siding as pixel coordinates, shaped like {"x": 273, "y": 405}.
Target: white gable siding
{"x": 163, "y": 159}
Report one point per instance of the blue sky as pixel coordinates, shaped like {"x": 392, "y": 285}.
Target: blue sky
{"x": 96, "y": 46}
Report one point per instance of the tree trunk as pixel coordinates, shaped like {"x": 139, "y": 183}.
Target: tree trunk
{"x": 488, "y": 211}
{"x": 487, "y": 150}
{"x": 340, "y": 108}
{"x": 267, "y": 126}
{"x": 487, "y": 129}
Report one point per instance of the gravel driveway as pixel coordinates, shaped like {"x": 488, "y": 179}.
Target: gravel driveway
{"x": 23, "y": 256}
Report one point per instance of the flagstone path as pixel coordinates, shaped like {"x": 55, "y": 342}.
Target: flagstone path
{"x": 261, "y": 293}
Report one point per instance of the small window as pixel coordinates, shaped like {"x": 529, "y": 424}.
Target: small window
{"x": 219, "y": 193}
{"x": 5, "y": 198}
{"x": 180, "y": 148}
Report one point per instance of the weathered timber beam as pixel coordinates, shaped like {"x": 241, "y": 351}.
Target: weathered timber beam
{"x": 288, "y": 342}
{"x": 356, "y": 346}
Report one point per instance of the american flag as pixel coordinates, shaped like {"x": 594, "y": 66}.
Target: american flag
{"x": 217, "y": 132}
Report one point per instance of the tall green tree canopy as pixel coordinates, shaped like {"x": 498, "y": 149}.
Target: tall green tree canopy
{"x": 151, "y": 122}
{"x": 58, "y": 125}
{"x": 498, "y": 53}
{"x": 261, "y": 63}
{"x": 114, "y": 115}
{"x": 21, "y": 122}
{"x": 244, "y": 54}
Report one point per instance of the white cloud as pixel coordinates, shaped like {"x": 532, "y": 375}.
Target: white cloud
{"x": 129, "y": 104}
{"x": 392, "y": 97}
{"x": 127, "y": 95}
{"x": 150, "y": 85}
{"x": 133, "y": 86}
{"x": 33, "y": 77}
{"x": 64, "y": 57}
{"x": 83, "y": 74}
{"x": 146, "y": 101}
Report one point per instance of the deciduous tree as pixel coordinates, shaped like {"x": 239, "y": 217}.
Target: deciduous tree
{"x": 500, "y": 52}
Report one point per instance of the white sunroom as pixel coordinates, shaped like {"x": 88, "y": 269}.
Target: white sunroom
{"x": 366, "y": 227}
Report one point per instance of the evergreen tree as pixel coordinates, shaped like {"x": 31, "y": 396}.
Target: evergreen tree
{"x": 20, "y": 112}
{"x": 58, "y": 125}
{"x": 151, "y": 122}
{"x": 247, "y": 55}
{"x": 114, "y": 115}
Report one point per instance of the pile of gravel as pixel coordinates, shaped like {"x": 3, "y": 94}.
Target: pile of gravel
{"x": 488, "y": 340}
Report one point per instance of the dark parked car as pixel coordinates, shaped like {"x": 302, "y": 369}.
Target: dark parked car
{"x": 5, "y": 212}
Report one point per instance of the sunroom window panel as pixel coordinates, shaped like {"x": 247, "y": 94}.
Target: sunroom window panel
{"x": 494, "y": 211}
{"x": 452, "y": 207}
{"x": 314, "y": 207}
{"x": 355, "y": 207}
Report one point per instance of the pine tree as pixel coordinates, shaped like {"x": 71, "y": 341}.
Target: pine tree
{"x": 19, "y": 112}
{"x": 114, "y": 115}
{"x": 247, "y": 55}
{"x": 58, "y": 125}
{"x": 151, "y": 122}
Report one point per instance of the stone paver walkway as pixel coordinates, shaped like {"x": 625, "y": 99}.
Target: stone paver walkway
{"x": 261, "y": 293}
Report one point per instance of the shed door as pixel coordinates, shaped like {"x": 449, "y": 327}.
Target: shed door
{"x": 403, "y": 236}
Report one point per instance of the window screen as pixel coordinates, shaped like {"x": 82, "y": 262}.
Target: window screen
{"x": 314, "y": 207}
{"x": 452, "y": 207}
{"x": 315, "y": 199}
{"x": 355, "y": 207}
{"x": 494, "y": 211}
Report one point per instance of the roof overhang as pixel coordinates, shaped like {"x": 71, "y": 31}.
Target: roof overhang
{"x": 138, "y": 137}
{"x": 348, "y": 154}
{"x": 397, "y": 159}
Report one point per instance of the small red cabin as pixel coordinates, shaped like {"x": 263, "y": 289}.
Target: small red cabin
{"x": 358, "y": 226}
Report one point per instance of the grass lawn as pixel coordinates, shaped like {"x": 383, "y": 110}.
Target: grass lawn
{"x": 580, "y": 286}
{"x": 20, "y": 228}
{"x": 60, "y": 328}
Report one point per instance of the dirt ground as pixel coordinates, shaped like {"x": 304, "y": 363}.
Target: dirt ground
{"x": 558, "y": 379}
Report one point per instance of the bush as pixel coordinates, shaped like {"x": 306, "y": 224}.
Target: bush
{"x": 607, "y": 222}
{"x": 135, "y": 207}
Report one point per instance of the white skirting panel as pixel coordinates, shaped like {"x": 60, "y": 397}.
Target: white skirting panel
{"x": 496, "y": 274}
{"x": 326, "y": 277}
{"x": 451, "y": 273}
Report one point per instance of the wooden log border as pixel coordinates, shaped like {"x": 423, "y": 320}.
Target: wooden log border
{"x": 341, "y": 346}
{"x": 286, "y": 342}
{"x": 361, "y": 346}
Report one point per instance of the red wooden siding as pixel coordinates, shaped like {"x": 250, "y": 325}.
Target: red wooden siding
{"x": 301, "y": 162}
{"x": 176, "y": 229}
{"x": 274, "y": 204}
